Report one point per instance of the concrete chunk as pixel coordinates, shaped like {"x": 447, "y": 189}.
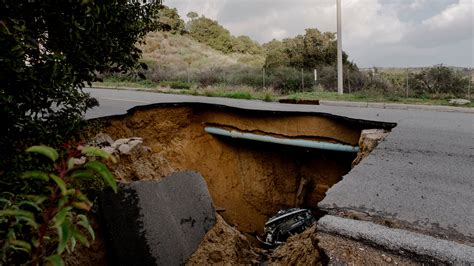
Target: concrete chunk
{"x": 157, "y": 223}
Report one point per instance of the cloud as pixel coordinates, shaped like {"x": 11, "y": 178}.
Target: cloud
{"x": 453, "y": 24}
{"x": 390, "y": 32}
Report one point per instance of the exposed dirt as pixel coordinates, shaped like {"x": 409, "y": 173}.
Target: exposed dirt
{"x": 249, "y": 180}
{"x": 302, "y": 249}
{"x": 224, "y": 244}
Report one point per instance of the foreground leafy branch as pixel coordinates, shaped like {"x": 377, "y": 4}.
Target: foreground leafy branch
{"x": 36, "y": 229}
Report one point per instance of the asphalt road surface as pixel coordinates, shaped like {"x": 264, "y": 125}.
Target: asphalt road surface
{"x": 420, "y": 177}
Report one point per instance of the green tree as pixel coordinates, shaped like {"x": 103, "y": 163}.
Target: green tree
{"x": 170, "y": 20}
{"x": 49, "y": 51}
{"x": 275, "y": 54}
{"x": 312, "y": 50}
{"x": 210, "y": 32}
{"x": 245, "y": 45}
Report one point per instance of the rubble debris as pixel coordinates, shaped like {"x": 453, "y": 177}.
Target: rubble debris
{"x": 369, "y": 139}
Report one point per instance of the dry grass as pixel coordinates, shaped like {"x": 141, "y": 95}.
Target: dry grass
{"x": 181, "y": 52}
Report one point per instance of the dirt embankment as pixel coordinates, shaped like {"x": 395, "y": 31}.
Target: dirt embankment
{"x": 249, "y": 180}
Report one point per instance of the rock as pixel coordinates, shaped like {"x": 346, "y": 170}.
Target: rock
{"x": 102, "y": 139}
{"x": 125, "y": 149}
{"x": 459, "y": 101}
{"x": 119, "y": 142}
{"x": 157, "y": 223}
{"x": 108, "y": 150}
{"x": 134, "y": 143}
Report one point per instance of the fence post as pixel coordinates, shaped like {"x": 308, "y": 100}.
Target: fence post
{"x": 407, "y": 83}
{"x": 302, "y": 80}
{"x": 187, "y": 71}
{"x": 263, "y": 77}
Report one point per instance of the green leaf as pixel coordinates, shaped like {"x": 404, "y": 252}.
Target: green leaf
{"x": 80, "y": 196}
{"x": 44, "y": 150}
{"x": 54, "y": 260}
{"x": 37, "y": 199}
{"x": 29, "y": 203}
{"x": 61, "y": 216}
{"x": 104, "y": 172}
{"x": 6, "y": 202}
{"x": 36, "y": 175}
{"x": 84, "y": 222}
{"x": 21, "y": 244}
{"x": 64, "y": 234}
{"x": 70, "y": 164}
{"x": 86, "y": 206}
{"x": 81, "y": 238}
{"x": 30, "y": 221}
{"x": 82, "y": 174}
{"x": 61, "y": 184}
{"x": 94, "y": 151}
{"x": 71, "y": 192}
{"x": 19, "y": 213}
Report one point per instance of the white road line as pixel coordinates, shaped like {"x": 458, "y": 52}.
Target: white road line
{"x": 123, "y": 100}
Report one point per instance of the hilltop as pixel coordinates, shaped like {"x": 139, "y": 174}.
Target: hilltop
{"x": 181, "y": 52}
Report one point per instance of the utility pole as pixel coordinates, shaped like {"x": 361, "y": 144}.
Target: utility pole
{"x": 263, "y": 77}
{"x": 339, "y": 50}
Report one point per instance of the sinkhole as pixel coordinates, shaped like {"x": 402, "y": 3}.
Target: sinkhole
{"x": 249, "y": 179}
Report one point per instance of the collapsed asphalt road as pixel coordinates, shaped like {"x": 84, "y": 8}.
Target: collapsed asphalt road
{"x": 419, "y": 179}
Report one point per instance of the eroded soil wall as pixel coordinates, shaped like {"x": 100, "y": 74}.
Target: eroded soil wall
{"x": 249, "y": 180}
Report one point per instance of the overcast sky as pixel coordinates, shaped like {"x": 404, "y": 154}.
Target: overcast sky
{"x": 375, "y": 32}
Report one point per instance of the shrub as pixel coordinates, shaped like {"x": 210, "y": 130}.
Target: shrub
{"x": 38, "y": 228}
{"x": 50, "y": 50}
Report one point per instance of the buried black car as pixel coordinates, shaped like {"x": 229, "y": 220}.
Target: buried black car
{"x": 285, "y": 224}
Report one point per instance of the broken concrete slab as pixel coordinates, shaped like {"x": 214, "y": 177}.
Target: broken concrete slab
{"x": 400, "y": 241}
{"x": 157, "y": 223}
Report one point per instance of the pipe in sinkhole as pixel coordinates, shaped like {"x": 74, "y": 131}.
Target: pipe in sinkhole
{"x": 283, "y": 141}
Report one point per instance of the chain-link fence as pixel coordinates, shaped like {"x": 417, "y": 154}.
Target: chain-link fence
{"x": 437, "y": 81}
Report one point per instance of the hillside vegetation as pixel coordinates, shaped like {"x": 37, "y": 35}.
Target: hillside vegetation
{"x": 200, "y": 53}
{"x": 183, "y": 53}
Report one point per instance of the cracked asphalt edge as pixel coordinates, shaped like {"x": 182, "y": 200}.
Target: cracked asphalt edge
{"x": 398, "y": 240}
